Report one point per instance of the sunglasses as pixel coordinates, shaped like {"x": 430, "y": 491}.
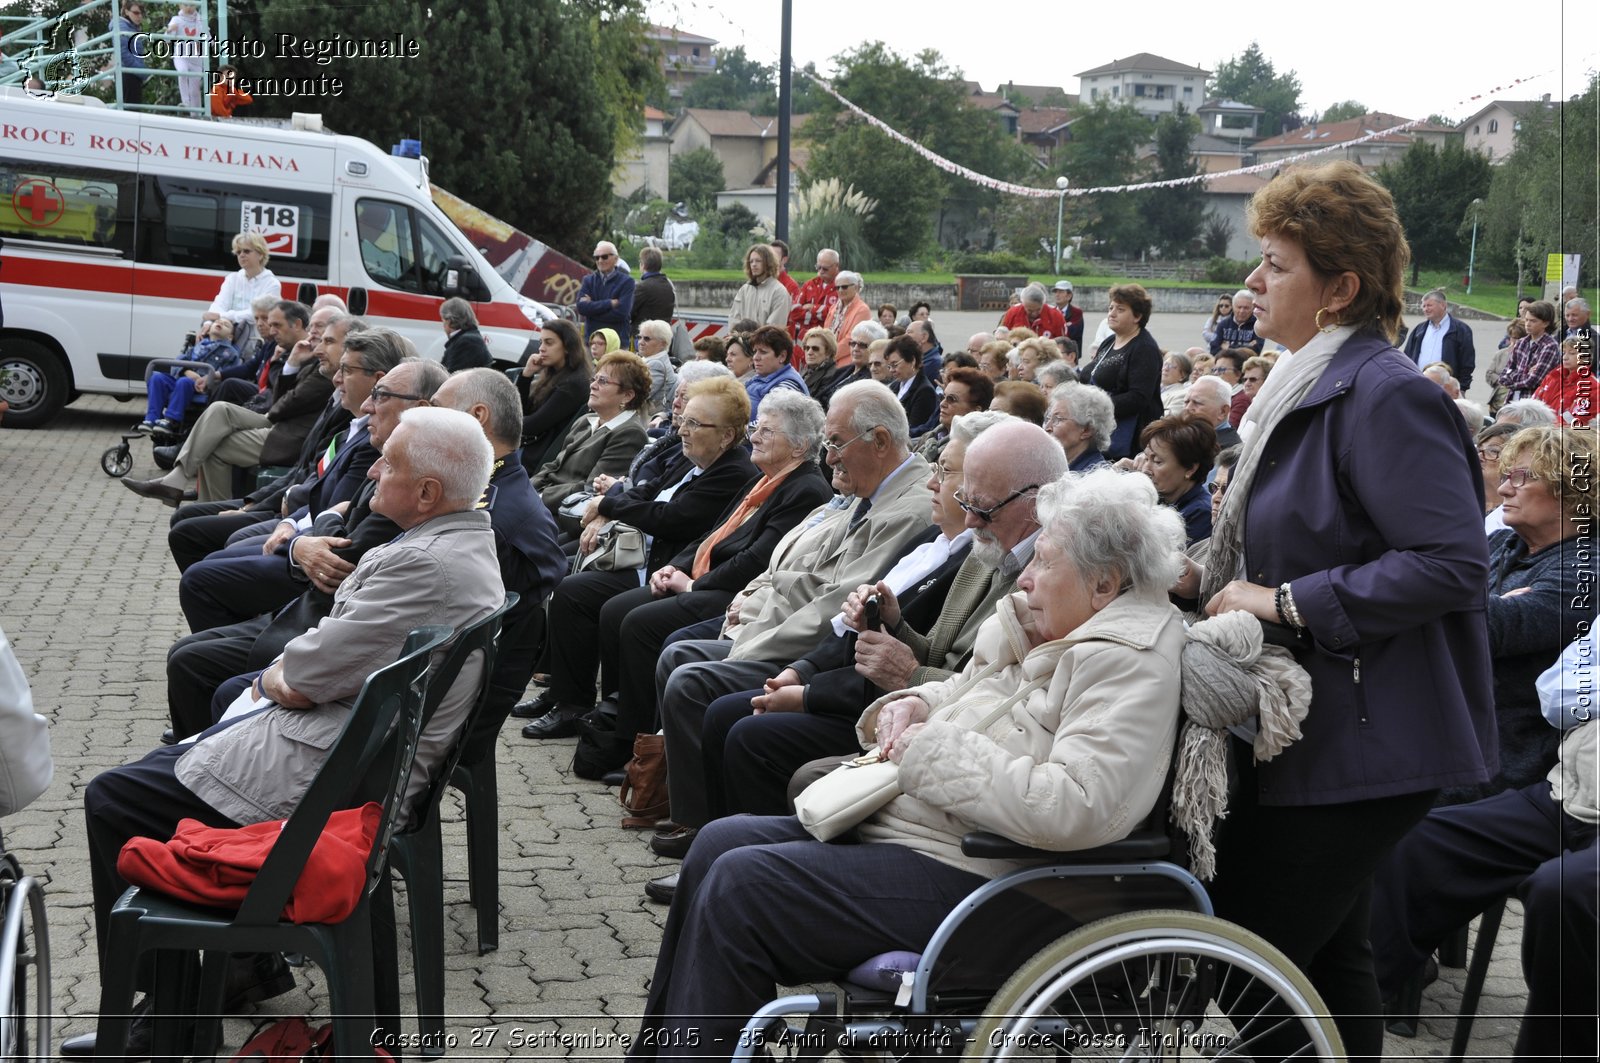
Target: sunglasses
{"x": 987, "y": 515}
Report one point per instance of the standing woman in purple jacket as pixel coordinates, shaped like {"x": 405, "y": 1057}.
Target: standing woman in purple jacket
{"x": 1380, "y": 573}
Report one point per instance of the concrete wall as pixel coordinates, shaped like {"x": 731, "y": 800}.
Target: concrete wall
{"x": 712, "y": 294}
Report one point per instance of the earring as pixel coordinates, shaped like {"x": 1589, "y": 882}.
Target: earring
{"x": 1325, "y": 328}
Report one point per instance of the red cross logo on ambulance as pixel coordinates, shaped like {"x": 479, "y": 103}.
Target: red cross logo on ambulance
{"x": 38, "y": 203}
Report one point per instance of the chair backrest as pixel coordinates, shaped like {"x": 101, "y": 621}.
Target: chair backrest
{"x": 386, "y": 719}
{"x": 482, "y": 636}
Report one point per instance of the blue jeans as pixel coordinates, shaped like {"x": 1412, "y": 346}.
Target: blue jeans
{"x": 169, "y": 396}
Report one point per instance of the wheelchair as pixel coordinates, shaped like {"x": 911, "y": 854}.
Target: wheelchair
{"x": 24, "y": 949}
{"x": 1136, "y": 966}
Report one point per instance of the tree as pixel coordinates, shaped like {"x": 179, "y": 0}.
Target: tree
{"x": 544, "y": 169}
{"x": 1175, "y": 215}
{"x": 1104, "y": 151}
{"x": 1541, "y": 199}
{"x": 1342, "y": 110}
{"x": 695, "y": 178}
{"x": 1432, "y": 189}
{"x": 739, "y": 84}
{"x": 923, "y": 99}
{"x": 1250, "y": 78}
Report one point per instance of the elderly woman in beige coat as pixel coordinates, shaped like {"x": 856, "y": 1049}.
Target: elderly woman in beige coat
{"x": 1082, "y": 665}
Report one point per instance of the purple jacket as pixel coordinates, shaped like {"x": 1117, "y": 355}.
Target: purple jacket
{"x": 1368, "y": 501}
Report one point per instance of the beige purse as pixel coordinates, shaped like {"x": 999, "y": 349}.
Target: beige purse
{"x": 620, "y": 548}
{"x": 857, "y": 788}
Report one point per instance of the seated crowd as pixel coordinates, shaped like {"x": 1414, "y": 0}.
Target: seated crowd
{"x": 819, "y": 539}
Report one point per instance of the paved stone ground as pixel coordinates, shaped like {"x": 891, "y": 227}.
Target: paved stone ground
{"x": 90, "y": 601}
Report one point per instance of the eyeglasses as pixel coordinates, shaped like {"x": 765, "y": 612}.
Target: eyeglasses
{"x": 951, "y": 400}
{"x": 894, "y": 363}
{"x": 838, "y": 448}
{"x": 941, "y": 473}
{"x": 1217, "y": 489}
{"x": 602, "y": 381}
{"x": 380, "y": 393}
{"x": 854, "y": 346}
{"x": 1489, "y": 453}
{"x": 987, "y": 515}
{"x": 1518, "y": 477}
{"x": 602, "y": 258}
{"x": 815, "y": 348}
{"x": 759, "y": 431}
{"x": 1224, "y": 370}
{"x": 1052, "y": 420}
{"x": 346, "y": 369}
{"x": 1252, "y": 380}
{"x": 689, "y": 424}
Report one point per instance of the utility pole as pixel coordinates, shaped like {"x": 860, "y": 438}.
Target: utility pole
{"x": 780, "y": 209}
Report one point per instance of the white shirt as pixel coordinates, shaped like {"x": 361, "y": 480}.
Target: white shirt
{"x": 1433, "y": 343}
{"x": 915, "y": 567}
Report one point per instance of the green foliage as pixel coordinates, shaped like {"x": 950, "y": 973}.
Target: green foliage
{"x": 992, "y": 262}
{"x": 739, "y": 84}
{"x": 644, "y": 219}
{"x": 1173, "y": 216}
{"x": 1342, "y": 110}
{"x": 1220, "y": 270}
{"x": 1216, "y": 235}
{"x": 695, "y": 178}
{"x": 1250, "y": 78}
{"x": 737, "y": 222}
{"x": 922, "y": 98}
{"x": 829, "y": 213}
{"x": 1103, "y": 152}
{"x": 1432, "y": 190}
{"x": 1542, "y": 198}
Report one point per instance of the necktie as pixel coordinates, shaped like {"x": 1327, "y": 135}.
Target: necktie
{"x": 860, "y": 514}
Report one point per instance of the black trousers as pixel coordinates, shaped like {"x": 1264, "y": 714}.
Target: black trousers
{"x": 1301, "y": 877}
{"x": 761, "y": 903}
{"x": 634, "y": 626}
{"x": 236, "y": 583}
{"x": 572, "y": 646}
{"x": 139, "y": 800}
{"x": 200, "y": 528}
{"x": 750, "y": 759}
{"x": 1458, "y": 861}
{"x": 198, "y": 664}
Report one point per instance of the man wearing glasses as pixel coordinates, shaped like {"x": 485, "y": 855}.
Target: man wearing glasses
{"x": 605, "y": 299}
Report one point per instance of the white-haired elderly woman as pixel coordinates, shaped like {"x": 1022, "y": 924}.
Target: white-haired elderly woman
{"x": 1082, "y": 664}
{"x": 1082, "y": 419}
{"x": 655, "y": 344}
{"x": 851, "y": 310}
{"x": 857, "y": 348}
{"x": 702, "y": 579}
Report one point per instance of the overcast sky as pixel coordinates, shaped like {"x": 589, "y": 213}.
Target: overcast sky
{"x": 1408, "y": 58}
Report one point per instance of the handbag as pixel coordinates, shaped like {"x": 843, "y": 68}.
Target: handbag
{"x": 856, "y": 789}
{"x": 620, "y": 548}
{"x": 644, "y": 788}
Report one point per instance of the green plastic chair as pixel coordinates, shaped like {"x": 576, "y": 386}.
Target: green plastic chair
{"x": 370, "y": 760}
{"x": 417, "y": 853}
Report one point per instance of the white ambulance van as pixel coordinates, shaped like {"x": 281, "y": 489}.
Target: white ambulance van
{"x": 117, "y": 231}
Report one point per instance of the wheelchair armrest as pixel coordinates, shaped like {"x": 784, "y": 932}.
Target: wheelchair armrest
{"x": 1135, "y": 848}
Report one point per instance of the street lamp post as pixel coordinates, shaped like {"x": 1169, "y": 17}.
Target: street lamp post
{"x": 1061, "y": 204}
{"x": 1472, "y": 255}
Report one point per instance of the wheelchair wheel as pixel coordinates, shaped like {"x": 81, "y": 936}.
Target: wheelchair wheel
{"x": 24, "y": 952}
{"x": 117, "y": 461}
{"x": 1158, "y": 985}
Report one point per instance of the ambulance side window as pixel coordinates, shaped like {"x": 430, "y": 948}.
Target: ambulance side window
{"x": 400, "y": 248}
{"x": 192, "y": 223}
{"x": 69, "y": 205}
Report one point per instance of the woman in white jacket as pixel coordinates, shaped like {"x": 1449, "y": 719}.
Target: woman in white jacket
{"x": 251, "y": 282}
{"x": 1085, "y": 661}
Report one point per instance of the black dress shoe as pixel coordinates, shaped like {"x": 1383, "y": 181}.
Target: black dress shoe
{"x": 255, "y": 977}
{"x": 559, "y": 722}
{"x": 675, "y": 844}
{"x": 661, "y": 889}
{"x": 169, "y": 737}
{"x": 166, "y": 457}
{"x": 141, "y": 1035}
{"x": 157, "y": 489}
{"x": 535, "y": 707}
{"x": 615, "y": 778}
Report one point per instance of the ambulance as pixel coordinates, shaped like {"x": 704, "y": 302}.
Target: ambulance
{"x": 117, "y": 230}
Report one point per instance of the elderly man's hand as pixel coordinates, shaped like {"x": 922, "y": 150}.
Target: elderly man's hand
{"x": 591, "y": 512}
{"x": 885, "y": 660}
{"x": 602, "y": 483}
{"x": 280, "y": 535}
{"x": 779, "y": 699}
{"x": 589, "y": 538}
{"x": 316, "y": 558}
{"x": 895, "y": 717}
{"x": 274, "y": 686}
{"x": 855, "y": 606}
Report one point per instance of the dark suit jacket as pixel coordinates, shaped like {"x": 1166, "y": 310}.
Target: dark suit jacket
{"x": 690, "y": 512}
{"x": 465, "y": 350}
{"x": 921, "y": 402}
{"x": 341, "y": 480}
{"x": 654, "y": 299}
{"x": 742, "y": 556}
{"x": 334, "y": 419}
{"x": 293, "y": 414}
{"x": 585, "y": 455}
{"x": 1228, "y": 436}
{"x": 1456, "y": 350}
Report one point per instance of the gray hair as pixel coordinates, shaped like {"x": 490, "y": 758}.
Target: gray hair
{"x": 449, "y": 446}
{"x": 1054, "y": 373}
{"x": 1572, "y": 304}
{"x": 847, "y": 276}
{"x": 1245, "y": 293}
{"x": 1109, "y": 524}
{"x": 828, "y": 254}
{"x": 1436, "y": 296}
{"x": 329, "y": 299}
{"x": 1091, "y": 407}
{"x": 490, "y": 388}
{"x": 381, "y": 349}
{"x": 1031, "y": 456}
{"x": 874, "y": 406}
{"x": 1527, "y": 413}
{"x": 1224, "y": 394}
{"x": 457, "y": 313}
{"x": 427, "y": 375}
{"x": 1034, "y": 294}
{"x": 698, "y": 370}
{"x": 656, "y": 330}
{"x": 799, "y": 417}
{"x": 868, "y": 331}
{"x": 969, "y": 426}
{"x": 263, "y": 305}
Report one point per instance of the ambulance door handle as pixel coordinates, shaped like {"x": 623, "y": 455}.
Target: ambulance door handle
{"x": 358, "y": 301}
{"x": 306, "y": 294}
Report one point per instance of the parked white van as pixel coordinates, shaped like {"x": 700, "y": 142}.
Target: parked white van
{"x": 117, "y": 229}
